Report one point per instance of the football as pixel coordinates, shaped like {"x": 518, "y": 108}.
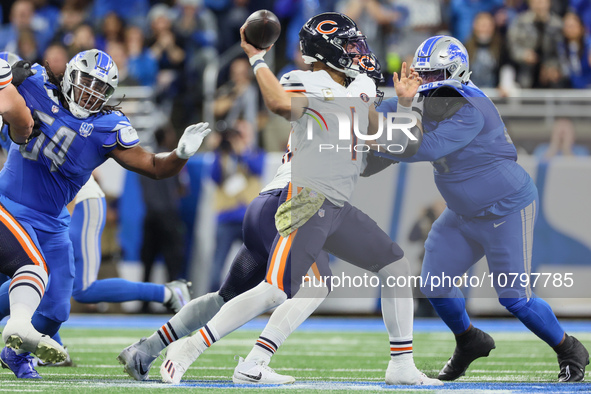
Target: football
{"x": 262, "y": 29}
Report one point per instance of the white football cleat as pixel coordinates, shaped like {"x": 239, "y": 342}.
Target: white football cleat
{"x": 177, "y": 361}
{"x": 20, "y": 334}
{"x": 136, "y": 362}
{"x": 408, "y": 374}
{"x": 253, "y": 372}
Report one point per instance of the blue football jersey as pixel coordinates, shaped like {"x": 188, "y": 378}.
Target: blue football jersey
{"x": 474, "y": 158}
{"x": 46, "y": 174}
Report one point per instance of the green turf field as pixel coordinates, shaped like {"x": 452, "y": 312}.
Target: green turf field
{"x": 338, "y": 358}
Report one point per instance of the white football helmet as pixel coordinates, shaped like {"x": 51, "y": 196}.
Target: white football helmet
{"x": 89, "y": 81}
{"x": 442, "y": 57}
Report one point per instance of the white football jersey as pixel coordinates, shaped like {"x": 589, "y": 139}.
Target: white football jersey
{"x": 322, "y": 143}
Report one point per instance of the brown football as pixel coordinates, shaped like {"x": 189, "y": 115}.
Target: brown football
{"x": 262, "y": 29}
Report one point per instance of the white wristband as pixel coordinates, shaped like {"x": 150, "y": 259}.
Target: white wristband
{"x": 257, "y": 61}
{"x": 402, "y": 108}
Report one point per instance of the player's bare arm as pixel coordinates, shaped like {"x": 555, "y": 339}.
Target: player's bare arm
{"x": 276, "y": 98}
{"x": 15, "y": 112}
{"x": 162, "y": 165}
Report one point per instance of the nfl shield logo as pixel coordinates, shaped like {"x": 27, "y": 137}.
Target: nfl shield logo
{"x": 55, "y": 109}
{"x": 321, "y": 212}
{"x": 86, "y": 129}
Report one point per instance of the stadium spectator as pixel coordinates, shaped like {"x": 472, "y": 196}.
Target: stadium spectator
{"x": 131, "y": 11}
{"x": 575, "y": 50}
{"x": 562, "y": 142}
{"x": 71, "y": 16}
{"x": 533, "y": 40}
{"x": 167, "y": 49}
{"x": 57, "y": 57}
{"x": 118, "y": 52}
{"x": 83, "y": 39}
{"x": 486, "y": 51}
{"x": 375, "y": 18}
{"x": 27, "y": 46}
{"x": 236, "y": 170}
{"x": 463, "y": 13}
{"x": 142, "y": 64}
{"x": 238, "y": 98}
{"x": 21, "y": 17}
{"x": 112, "y": 27}
{"x": 196, "y": 26}
{"x": 583, "y": 9}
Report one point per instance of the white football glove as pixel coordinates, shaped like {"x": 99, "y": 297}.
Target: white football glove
{"x": 191, "y": 139}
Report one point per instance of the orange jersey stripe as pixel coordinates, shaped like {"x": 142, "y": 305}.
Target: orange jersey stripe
{"x": 204, "y": 337}
{"x": 167, "y": 334}
{"x": 289, "y": 191}
{"x": 6, "y": 82}
{"x": 31, "y": 279}
{"x": 272, "y": 265}
{"x": 22, "y": 237}
{"x": 400, "y": 349}
{"x": 283, "y": 261}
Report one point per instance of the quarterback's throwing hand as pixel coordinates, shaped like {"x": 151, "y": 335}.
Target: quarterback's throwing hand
{"x": 407, "y": 86}
{"x": 191, "y": 139}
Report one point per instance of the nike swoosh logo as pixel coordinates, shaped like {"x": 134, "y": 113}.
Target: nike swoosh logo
{"x": 287, "y": 77}
{"x": 498, "y": 224}
{"x": 142, "y": 369}
{"x": 253, "y": 377}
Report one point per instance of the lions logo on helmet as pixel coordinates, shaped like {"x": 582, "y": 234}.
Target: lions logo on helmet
{"x": 334, "y": 39}
{"x": 442, "y": 57}
{"x": 89, "y": 81}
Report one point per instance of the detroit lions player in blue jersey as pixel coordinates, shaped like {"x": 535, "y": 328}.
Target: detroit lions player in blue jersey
{"x": 78, "y": 133}
{"x": 492, "y": 206}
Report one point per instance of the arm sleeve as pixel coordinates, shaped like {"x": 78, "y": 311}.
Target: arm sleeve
{"x": 291, "y": 82}
{"x": 449, "y": 135}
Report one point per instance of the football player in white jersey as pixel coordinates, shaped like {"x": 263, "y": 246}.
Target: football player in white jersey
{"x": 318, "y": 194}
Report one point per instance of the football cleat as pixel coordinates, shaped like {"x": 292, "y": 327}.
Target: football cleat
{"x": 20, "y": 364}
{"x": 136, "y": 362}
{"x": 178, "y": 359}
{"x": 256, "y": 372}
{"x": 469, "y": 346}
{"x": 572, "y": 358}
{"x": 181, "y": 294}
{"x": 66, "y": 363}
{"x": 408, "y": 374}
{"x": 22, "y": 335}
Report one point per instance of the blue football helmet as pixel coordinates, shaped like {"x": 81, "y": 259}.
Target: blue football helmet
{"x": 90, "y": 79}
{"x": 440, "y": 58}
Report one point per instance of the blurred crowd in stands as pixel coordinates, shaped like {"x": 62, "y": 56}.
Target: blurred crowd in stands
{"x": 167, "y": 45}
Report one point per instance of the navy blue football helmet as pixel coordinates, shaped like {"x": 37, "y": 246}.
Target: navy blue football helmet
{"x": 335, "y": 40}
